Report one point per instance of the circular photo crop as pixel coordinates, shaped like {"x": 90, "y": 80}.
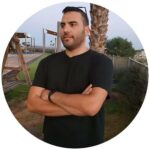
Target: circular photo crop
{"x": 74, "y": 75}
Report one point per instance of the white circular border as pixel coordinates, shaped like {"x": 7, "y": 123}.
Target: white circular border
{"x": 14, "y": 13}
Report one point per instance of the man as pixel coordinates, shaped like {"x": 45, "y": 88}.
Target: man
{"x": 70, "y": 87}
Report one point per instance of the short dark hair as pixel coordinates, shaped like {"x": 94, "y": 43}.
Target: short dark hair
{"x": 77, "y": 9}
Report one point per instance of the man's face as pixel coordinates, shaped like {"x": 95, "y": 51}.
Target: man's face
{"x": 73, "y": 31}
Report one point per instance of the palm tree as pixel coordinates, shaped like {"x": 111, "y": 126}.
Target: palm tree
{"x": 99, "y": 19}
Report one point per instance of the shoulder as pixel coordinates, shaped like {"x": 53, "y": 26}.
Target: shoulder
{"x": 52, "y": 57}
{"x": 99, "y": 57}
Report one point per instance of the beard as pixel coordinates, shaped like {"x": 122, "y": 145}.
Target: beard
{"x": 73, "y": 42}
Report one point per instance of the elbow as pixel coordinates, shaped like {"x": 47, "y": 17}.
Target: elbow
{"x": 29, "y": 106}
{"x": 92, "y": 110}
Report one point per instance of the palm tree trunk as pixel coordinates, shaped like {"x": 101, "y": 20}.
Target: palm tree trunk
{"x": 99, "y": 19}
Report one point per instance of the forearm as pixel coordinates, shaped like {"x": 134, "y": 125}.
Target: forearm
{"x": 73, "y": 103}
{"x": 46, "y": 108}
{"x": 56, "y": 111}
{"x": 81, "y": 104}
{"x": 46, "y": 96}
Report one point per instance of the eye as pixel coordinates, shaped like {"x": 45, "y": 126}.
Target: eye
{"x": 62, "y": 25}
{"x": 72, "y": 24}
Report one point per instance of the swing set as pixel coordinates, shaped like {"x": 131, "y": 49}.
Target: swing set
{"x": 10, "y": 73}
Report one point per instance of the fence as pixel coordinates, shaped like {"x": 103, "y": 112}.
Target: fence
{"x": 124, "y": 63}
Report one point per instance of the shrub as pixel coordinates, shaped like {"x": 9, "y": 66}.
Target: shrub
{"x": 133, "y": 84}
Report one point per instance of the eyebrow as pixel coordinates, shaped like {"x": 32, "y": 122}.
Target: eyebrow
{"x": 62, "y": 23}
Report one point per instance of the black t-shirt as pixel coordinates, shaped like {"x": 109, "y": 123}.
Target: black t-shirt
{"x": 72, "y": 75}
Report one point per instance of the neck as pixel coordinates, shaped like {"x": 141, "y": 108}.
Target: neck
{"x": 80, "y": 50}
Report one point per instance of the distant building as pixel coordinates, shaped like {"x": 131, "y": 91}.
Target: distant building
{"x": 140, "y": 54}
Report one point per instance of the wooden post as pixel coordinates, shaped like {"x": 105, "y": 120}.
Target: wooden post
{"x": 23, "y": 64}
{"x": 43, "y": 41}
{"x": 31, "y": 44}
{"x": 25, "y": 42}
{"x": 113, "y": 59}
{"x": 55, "y": 45}
{"x": 34, "y": 45}
{"x": 129, "y": 62}
{"x": 58, "y": 37}
{"x": 5, "y": 57}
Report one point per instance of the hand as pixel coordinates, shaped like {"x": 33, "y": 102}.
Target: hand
{"x": 44, "y": 94}
{"x": 88, "y": 89}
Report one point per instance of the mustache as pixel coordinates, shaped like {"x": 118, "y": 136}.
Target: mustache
{"x": 67, "y": 36}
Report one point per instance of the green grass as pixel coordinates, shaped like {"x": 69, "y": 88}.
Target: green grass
{"x": 20, "y": 92}
{"x": 32, "y": 68}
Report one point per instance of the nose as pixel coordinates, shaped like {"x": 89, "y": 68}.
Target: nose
{"x": 66, "y": 28}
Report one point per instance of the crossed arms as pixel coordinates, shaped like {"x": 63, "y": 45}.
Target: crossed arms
{"x": 87, "y": 103}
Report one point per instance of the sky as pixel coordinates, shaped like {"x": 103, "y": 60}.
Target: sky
{"x": 47, "y": 18}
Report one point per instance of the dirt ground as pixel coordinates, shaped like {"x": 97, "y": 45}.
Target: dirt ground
{"x": 30, "y": 121}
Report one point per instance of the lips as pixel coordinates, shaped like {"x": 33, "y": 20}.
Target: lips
{"x": 67, "y": 38}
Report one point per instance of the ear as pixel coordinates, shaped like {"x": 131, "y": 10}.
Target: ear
{"x": 87, "y": 31}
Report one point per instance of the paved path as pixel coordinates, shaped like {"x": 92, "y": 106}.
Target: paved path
{"x": 12, "y": 60}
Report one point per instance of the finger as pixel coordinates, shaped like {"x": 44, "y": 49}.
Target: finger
{"x": 89, "y": 91}
{"x": 86, "y": 90}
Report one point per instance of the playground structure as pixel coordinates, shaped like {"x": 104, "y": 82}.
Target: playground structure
{"x": 10, "y": 73}
{"x": 56, "y": 34}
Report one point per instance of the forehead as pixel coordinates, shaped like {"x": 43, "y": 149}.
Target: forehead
{"x": 71, "y": 16}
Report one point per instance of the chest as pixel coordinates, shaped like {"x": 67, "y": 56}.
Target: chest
{"x": 69, "y": 76}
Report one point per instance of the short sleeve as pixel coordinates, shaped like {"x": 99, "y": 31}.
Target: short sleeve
{"x": 40, "y": 77}
{"x": 101, "y": 72}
